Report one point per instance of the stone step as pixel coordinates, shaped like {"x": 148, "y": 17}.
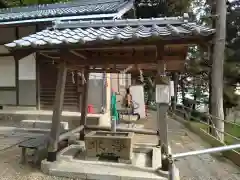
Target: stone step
{"x": 80, "y": 169}
{"x": 41, "y": 124}
{"x": 14, "y": 117}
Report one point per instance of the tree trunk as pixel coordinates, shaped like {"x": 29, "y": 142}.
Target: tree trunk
{"x": 210, "y": 51}
{"x": 217, "y": 67}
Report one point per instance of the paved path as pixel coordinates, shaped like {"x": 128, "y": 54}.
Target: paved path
{"x": 202, "y": 167}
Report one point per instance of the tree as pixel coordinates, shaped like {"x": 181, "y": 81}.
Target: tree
{"x": 159, "y": 8}
{"x": 232, "y": 55}
{"x": 232, "y": 65}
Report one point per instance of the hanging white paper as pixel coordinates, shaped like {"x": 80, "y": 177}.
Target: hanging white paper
{"x": 162, "y": 93}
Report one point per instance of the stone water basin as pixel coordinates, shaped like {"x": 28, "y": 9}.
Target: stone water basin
{"x": 143, "y": 156}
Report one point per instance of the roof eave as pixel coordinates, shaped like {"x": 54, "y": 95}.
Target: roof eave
{"x": 121, "y": 22}
{"x": 188, "y": 40}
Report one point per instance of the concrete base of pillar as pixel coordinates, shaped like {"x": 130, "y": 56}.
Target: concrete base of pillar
{"x": 105, "y": 120}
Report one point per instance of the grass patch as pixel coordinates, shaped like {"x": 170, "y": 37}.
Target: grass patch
{"x": 229, "y": 128}
{"x": 233, "y": 130}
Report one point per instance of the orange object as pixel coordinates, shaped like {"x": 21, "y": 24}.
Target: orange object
{"x": 90, "y": 109}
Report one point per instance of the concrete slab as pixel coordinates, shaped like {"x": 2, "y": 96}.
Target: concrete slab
{"x": 44, "y": 112}
{"x": 99, "y": 171}
{"x": 71, "y": 117}
{"x": 147, "y": 156}
{"x": 143, "y": 155}
{"x": 41, "y": 124}
{"x": 156, "y": 158}
{"x": 130, "y": 126}
{"x": 128, "y": 118}
{"x": 31, "y": 130}
{"x": 6, "y": 130}
{"x": 71, "y": 165}
{"x": 70, "y": 152}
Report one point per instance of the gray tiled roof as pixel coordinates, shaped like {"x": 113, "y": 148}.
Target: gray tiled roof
{"x": 83, "y": 32}
{"x": 72, "y": 8}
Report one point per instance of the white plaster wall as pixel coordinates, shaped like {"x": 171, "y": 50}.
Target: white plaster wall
{"x": 27, "y": 80}
{"x": 7, "y": 71}
{"x": 27, "y": 68}
{"x": 7, "y": 97}
{"x": 96, "y": 76}
{"x": 105, "y": 120}
{"x": 129, "y": 83}
{"x": 108, "y": 92}
{"x": 3, "y": 49}
{"x": 114, "y": 81}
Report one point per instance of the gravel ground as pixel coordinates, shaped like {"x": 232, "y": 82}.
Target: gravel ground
{"x": 10, "y": 167}
{"x": 204, "y": 167}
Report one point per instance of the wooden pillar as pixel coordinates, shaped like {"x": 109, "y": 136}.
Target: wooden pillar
{"x": 84, "y": 104}
{"x": 175, "y": 79}
{"x": 17, "y": 69}
{"x": 162, "y": 92}
{"x": 79, "y": 90}
{"x": 108, "y": 93}
{"x": 37, "y": 63}
{"x": 17, "y": 80}
{"x": 38, "y": 82}
{"x": 57, "y": 113}
{"x": 162, "y": 100}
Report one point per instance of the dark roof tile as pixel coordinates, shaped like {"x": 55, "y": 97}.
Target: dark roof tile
{"x": 120, "y": 30}
{"x": 75, "y": 8}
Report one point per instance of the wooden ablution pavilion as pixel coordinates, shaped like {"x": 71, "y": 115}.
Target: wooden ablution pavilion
{"x": 154, "y": 46}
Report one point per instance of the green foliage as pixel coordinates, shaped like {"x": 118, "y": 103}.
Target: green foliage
{"x": 232, "y": 61}
{"x": 196, "y": 116}
{"x": 196, "y": 78}
{"x": 198, "y": 66}
{"x": 158, "y": 8}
